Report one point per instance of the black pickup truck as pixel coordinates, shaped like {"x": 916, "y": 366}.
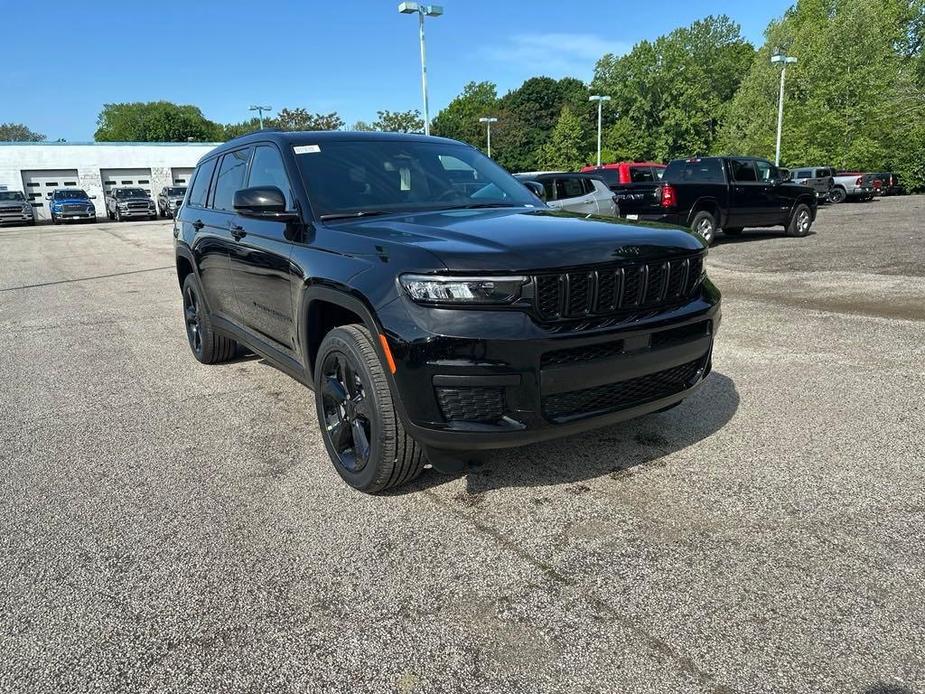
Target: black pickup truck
{"x": 711, "y": 194}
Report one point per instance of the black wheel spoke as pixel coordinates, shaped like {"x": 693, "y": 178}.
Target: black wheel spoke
{"x": 361, "y": 406}
{"x": 334, "y": 389}
{"x": 360, "y": 439}
{"x": 340, "y": 434}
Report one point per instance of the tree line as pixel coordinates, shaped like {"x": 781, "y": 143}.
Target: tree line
{"x": 854, "y": 100}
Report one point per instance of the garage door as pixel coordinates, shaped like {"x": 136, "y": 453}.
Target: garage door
{"x": 38, "y": 183}
{"x": 113, "y": 178}
{"x": 181, "y": 177}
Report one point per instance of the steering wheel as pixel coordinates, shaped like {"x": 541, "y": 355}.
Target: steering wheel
{"x": 448, "y": 194}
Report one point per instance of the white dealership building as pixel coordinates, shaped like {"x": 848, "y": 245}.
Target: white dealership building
{"x": 37, "y": 168}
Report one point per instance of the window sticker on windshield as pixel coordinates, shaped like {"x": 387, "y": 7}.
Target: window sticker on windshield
{"x": 306, "y": 149}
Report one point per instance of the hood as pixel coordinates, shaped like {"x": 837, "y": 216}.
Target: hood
{"x": 522, "y": 239}
{"x": 72, "y": 201}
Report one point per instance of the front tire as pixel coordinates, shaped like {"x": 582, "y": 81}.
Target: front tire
{"x": 800, "y": 222}
{"x": 207, "y": 346}
{"x": 118, "y": 215}
{"x": 362, "y": 432}
{"x": 704, "y": 225}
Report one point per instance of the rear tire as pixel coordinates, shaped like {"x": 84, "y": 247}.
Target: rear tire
{"x": 704, "y": 225}
{"x": 362, "y": 432}
{"x": 207, "y": 346}
{"x": 800, "y": 221}
{"x": 837, "y": 195}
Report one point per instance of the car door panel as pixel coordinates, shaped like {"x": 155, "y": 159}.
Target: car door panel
{"x": 260, "y": 259}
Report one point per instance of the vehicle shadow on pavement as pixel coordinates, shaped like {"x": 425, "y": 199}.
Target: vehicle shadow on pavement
{"x": 755, "y": 235}
{"x": 616, "y": 451}
{"x": 884, "y": 688}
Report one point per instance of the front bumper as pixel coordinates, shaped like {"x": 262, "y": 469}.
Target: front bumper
{"x": 459, "y": 391}
{"x": 18, "y": 218}
{"x": 138, "y": 213}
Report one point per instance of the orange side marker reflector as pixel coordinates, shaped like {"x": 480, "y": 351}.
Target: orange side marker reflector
{"x": 388, "y": 352}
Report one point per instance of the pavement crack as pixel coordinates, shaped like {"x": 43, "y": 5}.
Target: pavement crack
{"x": 681, "y": 661}
{"x": 86, "y": 279}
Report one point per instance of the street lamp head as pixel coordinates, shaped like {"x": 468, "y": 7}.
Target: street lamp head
{"x": 490, "y": 119}
{"x": 426, "y": 10}
{"x": 409, "y": 7}
{"x": 433, "y": 10}
{"x": 598, "y": 97}
{"x": 260, "y": 108}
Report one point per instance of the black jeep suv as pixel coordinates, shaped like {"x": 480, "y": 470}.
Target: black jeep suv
{"x": 431, "y": 301}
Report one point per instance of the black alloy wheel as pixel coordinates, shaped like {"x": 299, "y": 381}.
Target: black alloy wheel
{"x": 347, "y": 421}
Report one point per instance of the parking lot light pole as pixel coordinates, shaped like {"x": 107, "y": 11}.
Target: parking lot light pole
{"x": 422, "y": 11}
{"x": 600, "y": 102}
{"x": 260, "y": 110}
{"x": 488, "y": 121}
{"x": 783, "y": 60}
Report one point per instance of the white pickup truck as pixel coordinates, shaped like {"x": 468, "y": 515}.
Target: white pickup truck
{"x": 852, "y": 184}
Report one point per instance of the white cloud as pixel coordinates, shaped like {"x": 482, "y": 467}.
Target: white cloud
{"x": 554, "y": 54}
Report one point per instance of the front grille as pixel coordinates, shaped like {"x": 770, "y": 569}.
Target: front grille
{"x": 579, "y": 355}
{"x": 623, "y": 394}
{"x": 138, "y": 205}
{"x": 73, "y": 208}
{"x": 605, "y": 291}
{"x": 485, "y": 405}
{"x": 11, "y": 210}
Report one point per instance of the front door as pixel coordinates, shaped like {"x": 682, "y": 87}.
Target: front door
{"x": 749, "y": 196}
{"x": 260, "y": 258}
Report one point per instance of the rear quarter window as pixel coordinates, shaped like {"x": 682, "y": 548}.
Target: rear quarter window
{"x": 199, "y": 193}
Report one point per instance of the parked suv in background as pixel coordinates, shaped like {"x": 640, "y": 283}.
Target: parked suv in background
{"x": 71, "y": 204}
{"x": 819, "y": 178}
{"x": 169, "y": 200}
{"x": 635, "y": 185}
{"x": 433, "y": 318}
{"x": 14, "y": 208}
{"x": 129, "y": 203}
{"x": 709, "y": 194}
{"x": 575, "y": 192}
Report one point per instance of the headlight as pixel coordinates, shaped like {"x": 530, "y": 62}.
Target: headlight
{"x": 27, "y": 208}
{"x": 123, "y": 205}
{"x": 431, "y": 289}
{"x": 91, "y": 208}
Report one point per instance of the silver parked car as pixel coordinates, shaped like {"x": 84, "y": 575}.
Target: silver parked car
{"x": 819, "y": 178}
{"x": 575, "y": 192}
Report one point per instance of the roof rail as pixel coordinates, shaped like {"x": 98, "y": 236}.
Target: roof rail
{"x": 254, "y": 132}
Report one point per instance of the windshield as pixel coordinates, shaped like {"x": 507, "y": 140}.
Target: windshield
{"x": 368, "y": 176}
{"x": 176, "y": 192}
{"x": 74, "y": 194}
{"x": 6, "y": 196}
{"x": 131, "y": 193}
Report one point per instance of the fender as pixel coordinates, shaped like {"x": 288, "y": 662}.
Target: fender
{"x": 706, "y": 202}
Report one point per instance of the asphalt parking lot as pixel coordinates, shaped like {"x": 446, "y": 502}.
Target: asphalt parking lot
{"x": 168, "y": 526}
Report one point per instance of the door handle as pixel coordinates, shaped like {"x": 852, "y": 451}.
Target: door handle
{"x": 197, "y": 225}
{"x": 237, "y": 231}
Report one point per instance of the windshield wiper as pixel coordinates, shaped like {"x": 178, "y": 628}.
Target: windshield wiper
{"x": 354, "y": 215}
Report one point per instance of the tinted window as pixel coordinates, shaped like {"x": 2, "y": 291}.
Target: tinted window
{"x": 641, "y": 174}
{"x": 230, "y": 178}
{"x": 267, "y": 170}
{"x": 695, "y": 171}
{"x": 743, "y": 170}
{"x": 610, "y": 176}
{"x": 803, "y": 173}
{"x": 823, "y": 173}
{"x": 766, "y": 170}
{"x": 569, "y": 188}
{"x": 200, "y": 190}
{"x": 549, "y": 185}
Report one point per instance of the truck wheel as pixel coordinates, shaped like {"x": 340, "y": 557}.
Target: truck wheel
{"x": 837, "y": 195}
{"x": 732, "y": 231}
{"x": 118, "y": 215}
{"x": 704, "y": 225}
{"x": 800, "y": 221}
{"x": 361, "y": 430}
{"x": 208, "y": 347}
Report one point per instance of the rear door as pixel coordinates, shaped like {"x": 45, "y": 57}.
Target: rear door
{"x": 573, "y": 193}
{"x": 750, "y": 197}
{"x": 260, "y": 257}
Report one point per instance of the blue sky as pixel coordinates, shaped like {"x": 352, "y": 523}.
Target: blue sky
{"x": 350, "y": 56}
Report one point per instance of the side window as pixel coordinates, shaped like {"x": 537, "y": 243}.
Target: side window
{"x": 766, "y": 170}
{"x": 199, "y": 193}
{"x": 569, "y": 188}
{"x": 610, "y": 176}
{"x": 549, "y": 185}
{"x": 230, "y": 179}
{"x": 823, "y": 173}
{"x": 743, "y": 170}
{"x": 640, "y": 174}
{"x": 267, "y": 169}
{"x": 803, "y": 173}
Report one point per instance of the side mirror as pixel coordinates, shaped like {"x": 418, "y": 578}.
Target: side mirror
{"x": 48, "y": 196}
{"x": 93, "y": 197}
{"x": 264, "y": 202}
{"x": 537, "y": 189}
{"x": 784, "y": 174}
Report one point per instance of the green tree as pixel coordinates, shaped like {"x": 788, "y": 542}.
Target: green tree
{"x": 399, "y": 122}
{"x": 856, "y": 97}
{"x": 156, "y": 121}
{"x": 460, "y": 119}
{"x": 296, "y": 119}
{"x": 362, "y": 126}
{"x": 230, "y": 130}
{"x": 565, "y": 149}
{"x": 17, "y": 132}
{"x": 671, "y": 95}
